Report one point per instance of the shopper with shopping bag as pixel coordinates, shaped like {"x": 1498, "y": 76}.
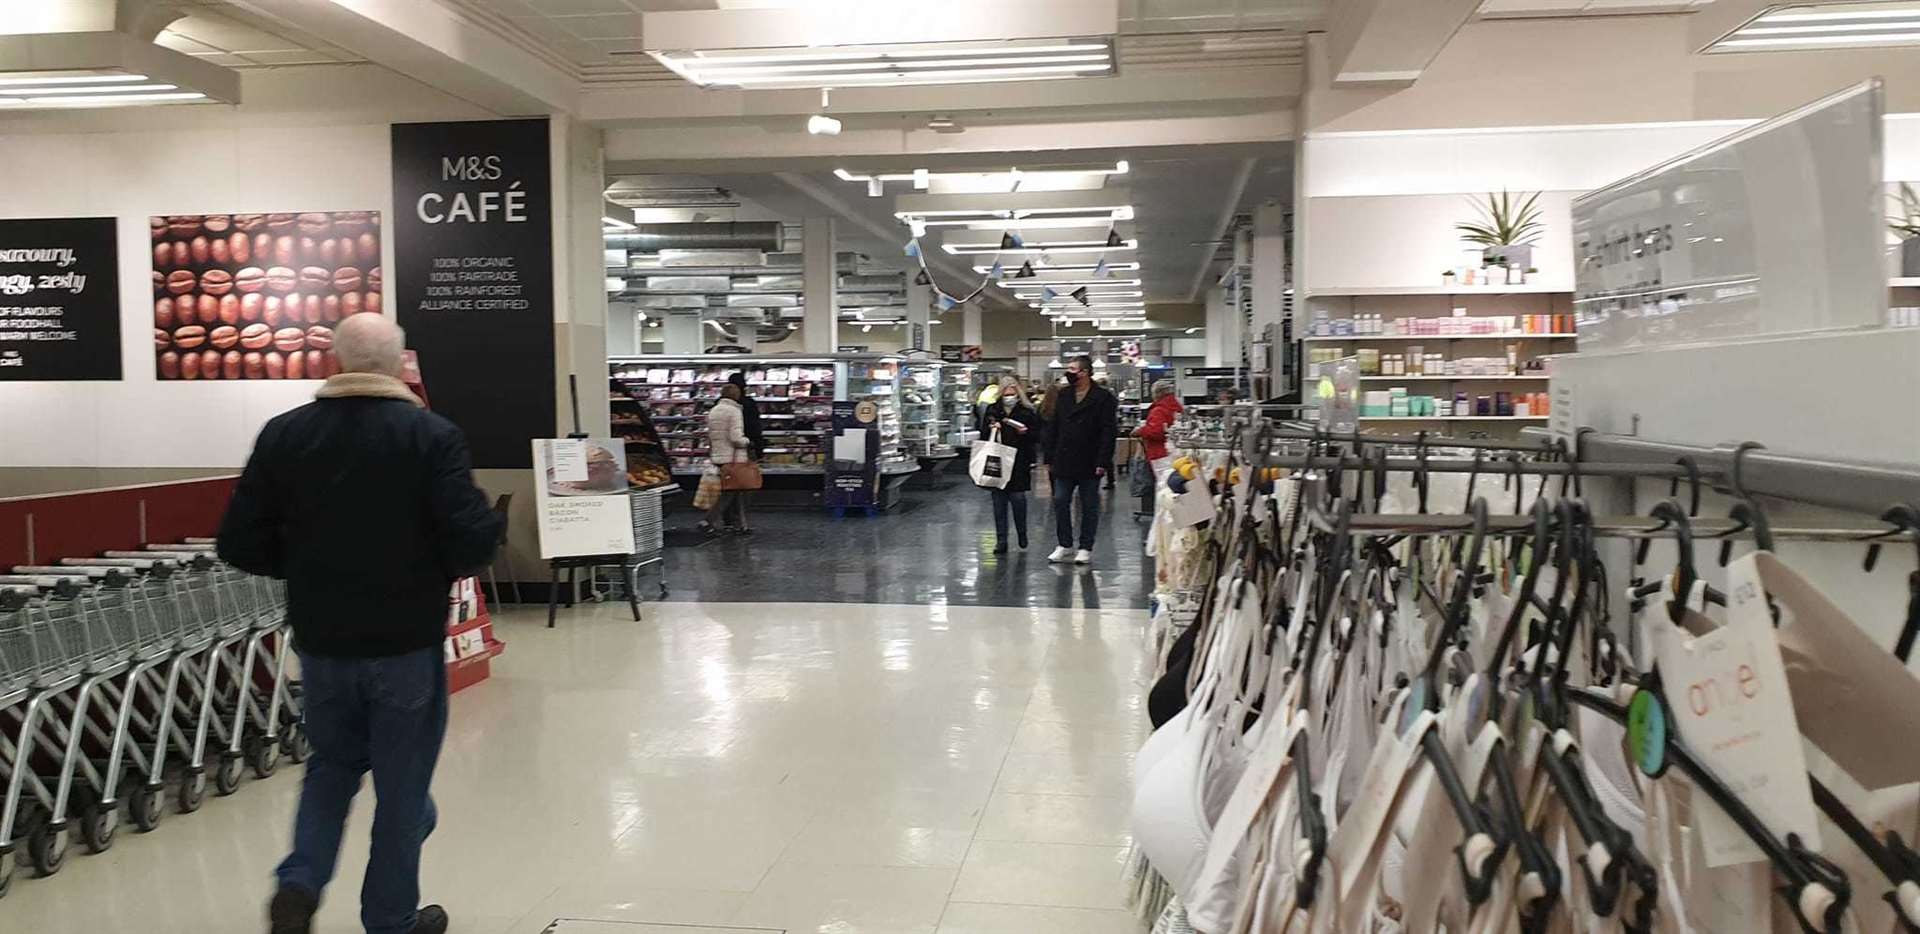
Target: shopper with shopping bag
{"x": 731, "y": 453}
{"x": 364, "y": 503}
{"x": 1003, "y": 458}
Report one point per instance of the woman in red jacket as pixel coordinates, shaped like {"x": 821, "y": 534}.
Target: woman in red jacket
{"x": 1166, "y": 407}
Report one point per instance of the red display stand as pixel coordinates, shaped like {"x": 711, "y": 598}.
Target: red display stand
{"x": 470, "y": 645}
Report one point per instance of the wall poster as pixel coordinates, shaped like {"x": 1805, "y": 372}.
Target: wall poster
{"x": 473, "y": 276}
{"x": 256, "y": 296}
{"x": 59, "y": 300}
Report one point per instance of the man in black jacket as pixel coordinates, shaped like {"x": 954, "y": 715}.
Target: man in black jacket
{"x": 750, "y": 414}
{"x": 1079, "y": 443}
{"x": 364, "y": 502}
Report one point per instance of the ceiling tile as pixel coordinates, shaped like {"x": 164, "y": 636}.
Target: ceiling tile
{"x": 291, "y": 57}
{"x": 601, "y": 26}
{"x": 180, "y": 43}
{"x": 227, "y": 60}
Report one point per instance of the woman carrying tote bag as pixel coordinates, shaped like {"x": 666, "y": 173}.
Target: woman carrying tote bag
{"x": 732, "y": 454}
{"x": 1018, "y": 425}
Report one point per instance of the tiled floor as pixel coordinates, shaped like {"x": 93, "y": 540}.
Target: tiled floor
{"x": 936, "y": 547}
{"x": 821, "y": 768}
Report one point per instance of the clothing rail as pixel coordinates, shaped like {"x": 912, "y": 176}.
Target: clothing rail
{"x": 1489, "y": 467}
{"x": 1850, "y": 485}
{"x": 1615, "y": 527}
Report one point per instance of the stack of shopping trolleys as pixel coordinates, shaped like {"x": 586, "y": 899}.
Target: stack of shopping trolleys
{"x": 118, "y": 676}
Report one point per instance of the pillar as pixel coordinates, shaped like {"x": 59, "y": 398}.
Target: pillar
{"x": 1269, "y": 287}
{"x": 684, "y": 333}
{"x": 970, "y": 325}
{"x": 919, "y": 317}
{"x": 820, "y": 281}
{"x": 1222, "y": 332}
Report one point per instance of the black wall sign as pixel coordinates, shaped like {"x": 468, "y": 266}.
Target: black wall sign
{"x": 473, "y": 277}
{"x": 1212, "y": 371}
{"x": 59, "y": 300}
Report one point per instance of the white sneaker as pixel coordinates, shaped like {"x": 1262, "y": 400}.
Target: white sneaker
{"x": 1061, "y": 555}
{"x": 1083, "y": 556}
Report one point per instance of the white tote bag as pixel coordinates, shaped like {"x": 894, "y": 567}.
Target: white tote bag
{"x": 993, "y": 462}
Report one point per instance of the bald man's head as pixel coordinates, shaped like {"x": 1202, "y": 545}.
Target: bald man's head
{"x": 369, "y": 342}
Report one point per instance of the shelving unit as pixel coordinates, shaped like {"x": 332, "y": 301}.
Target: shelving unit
{"x": 925, "y": 415}
{"x": 1507, "y": 364}
{"x": 673, "y": 394}
{"x": 877, "y": 379}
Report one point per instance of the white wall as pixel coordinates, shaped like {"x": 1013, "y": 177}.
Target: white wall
{"x": 310, "y": 139}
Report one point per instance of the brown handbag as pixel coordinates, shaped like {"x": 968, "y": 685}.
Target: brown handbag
{"x": 740, "y": 477}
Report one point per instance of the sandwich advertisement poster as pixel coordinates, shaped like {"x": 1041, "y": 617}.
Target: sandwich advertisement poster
{"x": 580, "y": 491}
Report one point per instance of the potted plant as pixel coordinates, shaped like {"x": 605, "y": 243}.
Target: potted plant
{"x": 1530, "y": 273}
{"x": 1507, "y": 228}
{"x": 1906, "y": 226}
{"x": 1447, "y": 278}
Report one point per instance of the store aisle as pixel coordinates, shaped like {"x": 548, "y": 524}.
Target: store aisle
{"x": 801, "y": 768}
{"x": 936, "y": 547}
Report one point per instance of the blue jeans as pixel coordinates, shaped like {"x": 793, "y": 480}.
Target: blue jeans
{"x": 1063, "y": 490}
{"x": 384, "y": 715}
{"x": 1003, "y": 502}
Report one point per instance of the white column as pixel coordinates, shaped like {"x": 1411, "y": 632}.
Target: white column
{"x": 820, "y": 329}
{"x": 1222, "y": 335}
{"x": 970, "y": 325}
{"x": 919, "y": 316}
{"x": 684, "y": 333}
{"x": 1269, "y": 279}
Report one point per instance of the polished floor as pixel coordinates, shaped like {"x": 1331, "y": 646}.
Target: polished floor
{"x": 722, "y": 768}
{"x": 936, "y": 547}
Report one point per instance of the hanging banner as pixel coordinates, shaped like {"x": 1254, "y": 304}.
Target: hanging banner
{"x": 59, "y": 300}
{"x": 473, "y": 276}
{"x": 580, "y": 494}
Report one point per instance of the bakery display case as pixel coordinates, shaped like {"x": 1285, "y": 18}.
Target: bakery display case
{"x": 925, "y": 411}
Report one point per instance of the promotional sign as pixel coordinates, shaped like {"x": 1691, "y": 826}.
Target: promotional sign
{"x": 1774, "y": 230}
{"x": 473, "y": 276}
{"x": 581, "y": 497}
{"x": 960, "y": 353}
{"x": 853, "y": 464}
{"x": 256, "y": 296}
{"x": 59, "y": 300}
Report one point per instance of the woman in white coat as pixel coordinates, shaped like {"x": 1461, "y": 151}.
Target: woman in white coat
{"x": 727, "y": 443}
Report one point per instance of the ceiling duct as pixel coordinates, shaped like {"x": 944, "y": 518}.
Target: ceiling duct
{"x": 731, "y": 236}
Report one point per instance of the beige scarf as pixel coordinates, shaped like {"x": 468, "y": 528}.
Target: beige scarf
{"x": 368, "y": 385}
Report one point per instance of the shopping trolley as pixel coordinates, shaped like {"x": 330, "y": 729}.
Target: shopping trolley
{"x": 48, "y": 650}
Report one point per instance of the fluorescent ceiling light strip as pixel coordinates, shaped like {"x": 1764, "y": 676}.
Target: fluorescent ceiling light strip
{"x": 615, "y": 223}
{"x": 108, "y": 99}
{"x": 1033, "y": 285}
{"x": 1119, "y": 168}
{"x": 1064, "y": 267}
{"x": 881, "y": 61}
{"x": 943, "y": 50}
{"x": 1833, "y": 28}
{"x": 926, "y": 77}
{"x": 1091, "y": 295}
{"x": 1784, "y": 17}
{"x": 1098, "y": 211}
{"x": 72, "y": 79}
{"x": 1065, "y": 246}
{"x": 115, "y": 89}
{"x": 1820, "y": 40}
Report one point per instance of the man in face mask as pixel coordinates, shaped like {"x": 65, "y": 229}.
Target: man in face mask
{"x": 1079, "y": 442}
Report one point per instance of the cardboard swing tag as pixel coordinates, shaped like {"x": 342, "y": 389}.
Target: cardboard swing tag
{"x": 1854, "y": 699}
{"x": 1727, "y": 697}
{"x": 1193, "y": 507}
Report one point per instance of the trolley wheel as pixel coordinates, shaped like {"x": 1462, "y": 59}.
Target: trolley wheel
{"x": 226, "y": 775}
{"x": 146, "y": 806}
{"x": 193, "y": 790}
{"x": 6, "y": 872}
{"x": 295, "y": 742}
{"x": 98, "y": 821}
{"x": 263, "y": 755}
{"x": 98, "y": 824}
{"x": 46, "y": 844}
{"x": 663, "y": 590}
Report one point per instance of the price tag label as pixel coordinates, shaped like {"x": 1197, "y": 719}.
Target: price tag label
{"x": 1727, "y": 697}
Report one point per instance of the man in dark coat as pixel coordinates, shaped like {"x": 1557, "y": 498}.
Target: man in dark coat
{"x": 365, "y": 503}
{"x": 1079, "y": 442}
